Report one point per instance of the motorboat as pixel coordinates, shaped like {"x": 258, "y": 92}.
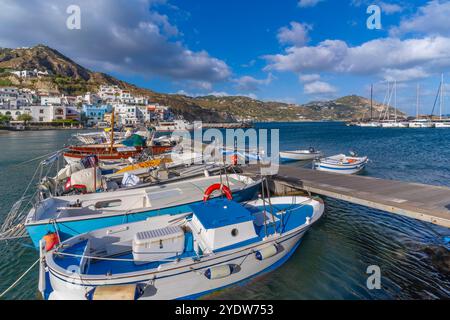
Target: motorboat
{"x": 341, "y": 163}
{"x": 75, "y": 214}
{"x": 218, "y": 243}
{"x": 300, "y": 155}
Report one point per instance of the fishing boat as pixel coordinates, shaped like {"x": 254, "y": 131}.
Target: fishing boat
{"x": 341, "y": 163}
{"x": 300, "y": 155}
{"x": 115, "y": 157}
{"x": 75, "y": 214}
{"x": 217, "y": 244}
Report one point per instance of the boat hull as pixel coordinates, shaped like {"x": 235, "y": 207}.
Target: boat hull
{"x": 188, "y": 281}
{"x": 340, "y": 168}
{"x": 295, "y": 156}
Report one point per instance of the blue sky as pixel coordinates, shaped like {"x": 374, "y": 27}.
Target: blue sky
{"x": 291, "y": 50}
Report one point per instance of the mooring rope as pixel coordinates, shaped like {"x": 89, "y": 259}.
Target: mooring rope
{"x": 20, "y": 278}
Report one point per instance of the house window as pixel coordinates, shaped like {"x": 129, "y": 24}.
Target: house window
{"x": 41, "y": 119}
{"x": 41, "y": 111}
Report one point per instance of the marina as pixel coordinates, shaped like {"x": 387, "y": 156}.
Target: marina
{"x": 416, "y": 202}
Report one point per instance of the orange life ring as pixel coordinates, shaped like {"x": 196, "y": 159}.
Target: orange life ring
{"x": 218, "y": 186}
{"x": 51, "y": 240}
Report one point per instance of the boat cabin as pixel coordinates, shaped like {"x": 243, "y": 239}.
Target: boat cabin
{"x": 218, "y": 224}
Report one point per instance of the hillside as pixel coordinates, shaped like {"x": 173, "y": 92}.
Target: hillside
{"x": 68, "y": 77}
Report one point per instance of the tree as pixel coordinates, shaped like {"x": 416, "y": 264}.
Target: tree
{"x": 4, "y": 118}
{"x": 25, "y": 117}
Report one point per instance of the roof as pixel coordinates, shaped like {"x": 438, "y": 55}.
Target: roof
{"x": 218, "y": 213}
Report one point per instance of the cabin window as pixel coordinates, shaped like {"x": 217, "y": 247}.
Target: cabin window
{"x": 234, "y": 232}
{"x": 108, "y": 204}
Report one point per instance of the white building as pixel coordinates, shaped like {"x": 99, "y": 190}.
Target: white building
{"x": 129, "y": 114}
{"x": 51, "y": 100}
{"x": 30, "y": 73}
{"x": 46, "y": 113}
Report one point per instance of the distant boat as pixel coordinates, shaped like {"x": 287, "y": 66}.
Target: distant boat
{"x": 341, "y": 164}
{"x": 372, "y": 124}
{"x": 419, "y": 123}
{"x": 300, "y": 155}
{"x": 442, "y": 123}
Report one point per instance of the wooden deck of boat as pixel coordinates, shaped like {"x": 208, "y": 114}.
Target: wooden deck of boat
{"x": 423, "y": 202}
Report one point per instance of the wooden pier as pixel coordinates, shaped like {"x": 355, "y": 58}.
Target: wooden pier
{"x": 419, "y": 201}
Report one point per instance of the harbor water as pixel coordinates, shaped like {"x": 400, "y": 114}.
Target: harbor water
{"x": 332, "y": 261}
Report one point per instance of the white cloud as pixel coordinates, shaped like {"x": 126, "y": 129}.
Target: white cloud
{"x": 308, "y": 3}
{"x": 414, "y": 73}
{"x": 319, "y": 87}
{"x": 309, "y": 77}
{"x": 248, "y": 83}
{"x": 130, "y": 37}
{"x": 217, "y": 94}
{"x": 372, "y": 57}
{"x": 390, "y": 8}
{"x": 386, "y": 7}
{"x": 431, "y": 19}
{"x": 296, "y": 34}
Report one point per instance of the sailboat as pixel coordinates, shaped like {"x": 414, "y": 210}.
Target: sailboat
{"x": 442, "y": 123}
{"x": 388, "y": 123}
{"x": 370, "y": 123}
{"x": 419, "y": 123}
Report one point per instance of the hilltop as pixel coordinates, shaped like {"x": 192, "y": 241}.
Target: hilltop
{"x": 68, "y": 77}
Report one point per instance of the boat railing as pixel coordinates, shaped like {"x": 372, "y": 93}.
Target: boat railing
{"x": 13, "y": 224}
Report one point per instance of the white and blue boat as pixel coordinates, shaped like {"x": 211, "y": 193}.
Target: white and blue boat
{"x": 300, "y": 155}
{"x": 341, "y": 164}
{"x": 220, "y": 243}
{"x": 72, "y": 215}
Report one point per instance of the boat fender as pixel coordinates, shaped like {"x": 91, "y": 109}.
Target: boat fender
{"x": 42, "y": 281}
{"x": 219, "y": 272}
{"x": 217, "y": 186}
{"x": 234, "y": 159}
{"x": 51, "y": 240}
{"x": 266, "y": 252}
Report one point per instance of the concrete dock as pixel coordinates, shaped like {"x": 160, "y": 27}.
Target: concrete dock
{"x": 419, "y": 201}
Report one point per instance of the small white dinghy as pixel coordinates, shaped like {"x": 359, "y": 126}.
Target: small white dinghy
{"x": 300, "y": 155}
{"x": 219, "y": 244}
{"x": 341, "y": 164}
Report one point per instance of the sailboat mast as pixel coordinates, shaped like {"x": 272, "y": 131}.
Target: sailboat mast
{"x": 112, "y": 131}
{"x": 418, "y": 101}
{"x": 395, "y": 100}
{"x": 371, "y": 102}
{"x": 442, "y": 97}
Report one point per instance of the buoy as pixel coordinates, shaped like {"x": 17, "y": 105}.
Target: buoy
{"x": 51, "y": 240}
{"x": 217, "y": 186}
{"x": 267, "y": 252}
{"x": 234, "y": 159}
{"x": 219, "y": 272}
{"x": 42, "y": 283}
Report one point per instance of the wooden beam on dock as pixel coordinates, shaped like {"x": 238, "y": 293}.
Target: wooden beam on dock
{"x": 419, "y": 201}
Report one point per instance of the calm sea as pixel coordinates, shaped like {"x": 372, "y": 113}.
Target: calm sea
{"x": 332, "y": 260}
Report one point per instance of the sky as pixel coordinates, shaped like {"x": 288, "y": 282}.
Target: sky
{"x": 291, "y": 51}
